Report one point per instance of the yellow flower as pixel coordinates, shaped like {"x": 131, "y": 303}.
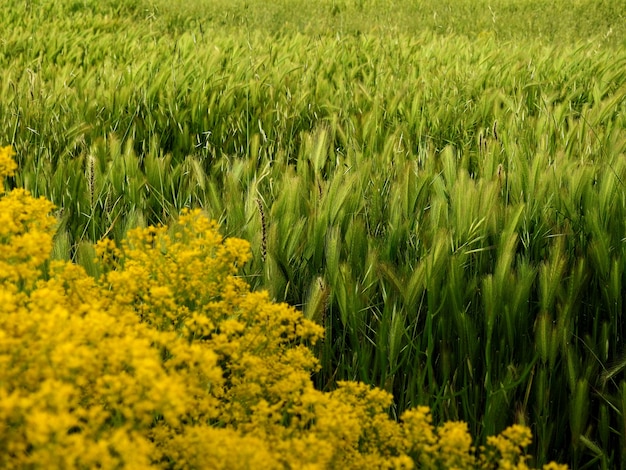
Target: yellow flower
{"x": 454, "y": 446}
{"x": 7, "y": 164}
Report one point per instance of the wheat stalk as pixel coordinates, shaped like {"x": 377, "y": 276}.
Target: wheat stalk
{"x": 259, "y": 204}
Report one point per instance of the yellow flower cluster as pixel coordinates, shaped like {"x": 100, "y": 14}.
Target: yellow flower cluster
{"x": 7, "y": 164}
{"x": 167, "y": 360}
{"x": 25, "y": 231}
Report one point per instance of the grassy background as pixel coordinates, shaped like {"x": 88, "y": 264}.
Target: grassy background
{"x": 507, "y": 20}
{"x": 440, "y": 184}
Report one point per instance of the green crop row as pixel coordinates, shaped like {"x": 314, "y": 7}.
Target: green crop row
{"x": 449, "y": 203}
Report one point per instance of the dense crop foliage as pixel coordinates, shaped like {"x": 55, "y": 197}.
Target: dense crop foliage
{"x": 166, "y": 360}
{"x": 440, "y": 185}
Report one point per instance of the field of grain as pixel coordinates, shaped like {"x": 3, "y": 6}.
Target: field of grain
{"x": 440, "y": 185}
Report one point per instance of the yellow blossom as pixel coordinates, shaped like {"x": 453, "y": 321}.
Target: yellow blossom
{"x": 7, "y": 164}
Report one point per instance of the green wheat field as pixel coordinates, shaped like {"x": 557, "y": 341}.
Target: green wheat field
{"x": 440, "y": 184}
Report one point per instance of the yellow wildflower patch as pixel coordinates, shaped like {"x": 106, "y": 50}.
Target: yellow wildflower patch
{"x": 7, "y": 164}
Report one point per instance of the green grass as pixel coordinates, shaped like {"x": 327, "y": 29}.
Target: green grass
{"x": 441, "y": 185}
